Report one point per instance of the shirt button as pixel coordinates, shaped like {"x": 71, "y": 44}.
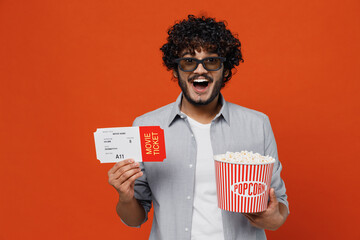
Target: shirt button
{"x": 186, "y": 229}
{"x": 188, "y": 197}
{"x": 190, "y": 165}
{"x": 192, "y": 135}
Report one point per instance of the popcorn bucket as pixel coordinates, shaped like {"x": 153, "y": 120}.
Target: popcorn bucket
{"x": 242, "y": 187}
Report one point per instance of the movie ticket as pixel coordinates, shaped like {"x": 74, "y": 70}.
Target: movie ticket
{"x": 143, "y": 144}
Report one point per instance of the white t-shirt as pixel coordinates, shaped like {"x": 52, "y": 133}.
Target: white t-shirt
{"x": 206, "y": 221}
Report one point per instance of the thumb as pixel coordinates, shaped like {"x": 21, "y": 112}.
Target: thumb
{"x": 273, "y": 199}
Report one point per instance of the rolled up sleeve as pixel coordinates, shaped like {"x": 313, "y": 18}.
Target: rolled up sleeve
{"x": 271, "y": 149}
{"x": 142, "y": 191}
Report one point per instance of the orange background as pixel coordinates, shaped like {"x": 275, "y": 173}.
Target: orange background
{"x": 69, "y": 67}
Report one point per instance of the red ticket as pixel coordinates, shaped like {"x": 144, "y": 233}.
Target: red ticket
{"x": 143, "y": 144}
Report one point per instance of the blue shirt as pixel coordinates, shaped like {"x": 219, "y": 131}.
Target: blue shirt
{"x": 169, "y": 185}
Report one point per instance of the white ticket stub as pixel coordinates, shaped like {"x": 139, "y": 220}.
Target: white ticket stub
{"x": 143, "y": 144}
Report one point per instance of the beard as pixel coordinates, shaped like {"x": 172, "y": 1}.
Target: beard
{"x": 215, "y": 92}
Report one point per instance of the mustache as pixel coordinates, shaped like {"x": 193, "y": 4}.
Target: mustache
{"x": 210, "y": 79}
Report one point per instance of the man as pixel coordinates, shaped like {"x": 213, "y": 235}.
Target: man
{"x": 201, "y": 54}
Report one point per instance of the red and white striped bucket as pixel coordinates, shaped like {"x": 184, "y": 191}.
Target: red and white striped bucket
{"x": 243, "y": 187}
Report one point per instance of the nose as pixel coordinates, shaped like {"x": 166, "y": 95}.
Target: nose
{"x": 200, "y": 69}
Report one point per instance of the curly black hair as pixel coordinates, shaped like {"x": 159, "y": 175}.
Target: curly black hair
{"x": 205, "y": 33}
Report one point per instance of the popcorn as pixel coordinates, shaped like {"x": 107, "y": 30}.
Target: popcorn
{"x": 243, "y": 181}
{"x": 244, "y": 157}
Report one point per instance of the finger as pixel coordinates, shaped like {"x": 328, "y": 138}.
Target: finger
{"x": 273, "y": 199}
{"x": 119, "y": 165}
{"x": 249, "y": 217}
{"x": 123, "y": 174}
{"x": 131, "y": 180}
{"x": 124, "y": 169}
{"x": 273, "y": 202}
{"x": 128, "y": 174}
{"x": 252, "y": 215}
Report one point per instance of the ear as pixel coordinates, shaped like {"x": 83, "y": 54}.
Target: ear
{"x": 175, "y": 74}
{"x": 226, "y": 73}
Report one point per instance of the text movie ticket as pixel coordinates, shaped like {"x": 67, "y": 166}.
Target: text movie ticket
{"x": 143, "y": 144}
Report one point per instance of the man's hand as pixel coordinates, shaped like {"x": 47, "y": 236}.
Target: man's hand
{"x": 122, "y": 177}
{"x": 272, "y": 218}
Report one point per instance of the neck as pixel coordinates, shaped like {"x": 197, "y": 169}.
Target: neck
{"x": 202, "y": 113}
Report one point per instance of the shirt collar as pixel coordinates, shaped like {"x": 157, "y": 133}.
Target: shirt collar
{"x": 175, "y": 112}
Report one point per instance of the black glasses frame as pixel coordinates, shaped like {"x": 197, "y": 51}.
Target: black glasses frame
{"x": 198, "y": 61}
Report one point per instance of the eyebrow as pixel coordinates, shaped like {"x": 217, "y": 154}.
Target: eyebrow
{"x": 186, "y": 53}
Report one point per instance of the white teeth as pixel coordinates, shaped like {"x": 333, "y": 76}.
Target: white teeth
{"x": 200, "y": 80}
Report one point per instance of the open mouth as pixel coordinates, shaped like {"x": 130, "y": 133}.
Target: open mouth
{"x": 200, "y": 84}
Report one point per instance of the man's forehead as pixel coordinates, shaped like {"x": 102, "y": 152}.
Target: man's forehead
{"x": 193, "y": 52}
